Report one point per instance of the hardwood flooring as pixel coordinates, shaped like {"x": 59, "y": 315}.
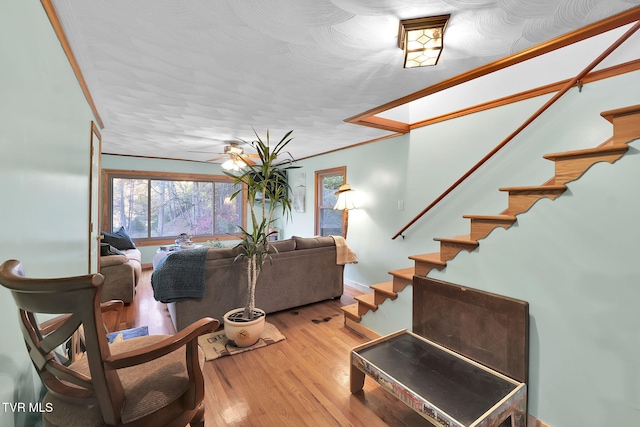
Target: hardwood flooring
{"x": 301, "y": 381}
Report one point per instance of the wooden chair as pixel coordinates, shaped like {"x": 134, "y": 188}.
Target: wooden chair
{"x": 147, "y": 381}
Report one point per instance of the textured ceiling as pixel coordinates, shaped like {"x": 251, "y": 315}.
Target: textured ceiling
{"x": 173, "y": 76}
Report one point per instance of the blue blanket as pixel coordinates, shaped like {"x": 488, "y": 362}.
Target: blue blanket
{"x": 180, "y": 275}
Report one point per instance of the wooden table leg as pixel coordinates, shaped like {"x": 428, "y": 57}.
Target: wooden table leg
{"x": 357, "y": 379}
{"x": 519, "y": 416}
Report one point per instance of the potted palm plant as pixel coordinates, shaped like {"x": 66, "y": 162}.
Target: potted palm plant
{"x": 266, "y": 185}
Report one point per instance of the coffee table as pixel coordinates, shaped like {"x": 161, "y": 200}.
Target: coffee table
{"x": 444, "y": 387}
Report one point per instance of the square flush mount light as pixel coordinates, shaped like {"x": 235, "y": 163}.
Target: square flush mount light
{"x": 421, "y": 40}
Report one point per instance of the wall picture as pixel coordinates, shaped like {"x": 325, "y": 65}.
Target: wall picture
{"x": 299, "y": 190}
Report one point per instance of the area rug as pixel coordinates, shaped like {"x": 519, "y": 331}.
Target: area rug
{"x": 141, "y": 331}
{"x": 216, "y": 344}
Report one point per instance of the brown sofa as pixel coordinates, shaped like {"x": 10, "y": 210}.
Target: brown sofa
{"x": 121, "y": 275}
{"x": 304, "y": 271}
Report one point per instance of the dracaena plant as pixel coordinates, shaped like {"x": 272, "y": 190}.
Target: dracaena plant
{"x": 266, "y": 186}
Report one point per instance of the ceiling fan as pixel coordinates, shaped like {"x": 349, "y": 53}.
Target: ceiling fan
{"x": 235, "y": 156}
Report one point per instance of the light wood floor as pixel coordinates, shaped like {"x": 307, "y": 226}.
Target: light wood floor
{"x": 301, "y": 381}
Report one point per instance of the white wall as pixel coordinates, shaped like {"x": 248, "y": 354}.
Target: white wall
{"x": 44, "y": 176}
{"x": 555, "y": 265}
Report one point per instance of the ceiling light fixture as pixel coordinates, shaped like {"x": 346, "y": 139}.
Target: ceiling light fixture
{"x": 233, "y": 164}
{"x": 421, "y": 40}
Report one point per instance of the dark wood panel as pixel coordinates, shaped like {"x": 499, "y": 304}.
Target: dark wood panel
{"x": 488, "y": 328}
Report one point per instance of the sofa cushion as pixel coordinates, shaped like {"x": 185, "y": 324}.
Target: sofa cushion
{"x": 120, "y": 239}
{"x": 313, "y": 242}
{"x": 220, "y": 253}
{"x": 284, "y": 245}
{"x": 133, "y": 255}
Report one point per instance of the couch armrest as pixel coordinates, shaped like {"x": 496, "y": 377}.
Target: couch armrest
{"x": 107, "y": 261}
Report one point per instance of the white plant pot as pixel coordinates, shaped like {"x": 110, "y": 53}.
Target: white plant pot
{"x": 244, "y": 333}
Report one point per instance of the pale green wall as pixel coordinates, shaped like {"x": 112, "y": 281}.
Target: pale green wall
{"x": 573, "y": 259}
{"x": 416, "y": 168}
{"x": 44, "y": 167}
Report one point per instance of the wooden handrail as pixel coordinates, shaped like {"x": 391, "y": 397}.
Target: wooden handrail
{"x": 526, "y": 123}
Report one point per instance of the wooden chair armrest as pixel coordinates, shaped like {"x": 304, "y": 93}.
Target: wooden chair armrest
{"x": 112, "y": 305}
{"x": 166, "y": 346}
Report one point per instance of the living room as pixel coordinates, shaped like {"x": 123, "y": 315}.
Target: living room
{"x": 572, "y": 259}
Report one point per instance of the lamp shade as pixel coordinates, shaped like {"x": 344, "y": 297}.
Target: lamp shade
{"x": 345, "y": 198}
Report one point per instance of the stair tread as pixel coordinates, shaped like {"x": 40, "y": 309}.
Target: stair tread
{"x": 368, "y": 300}
{"x": 610, "y": 149}
{"x": 433, "y": 258}
{"x": 491, "y": 217}
{"x": 405, "y": 273}
{"x": 351, "y": 310}
{"x": 609, "y": 115}
{"x": 541, "y": 188}
{"x": 385, "y": 288}
{"x": 465, "y": 240}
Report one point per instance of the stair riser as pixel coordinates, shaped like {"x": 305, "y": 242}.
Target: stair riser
{"x": 572, "y": 169}
{"x": 450, "y": 250}
{"x": 363, "y": 309}
{"x": 366, "y": 302}
{"x": 385, "y": 289}
{"x": 423, "y": 268}
{"x": 380, "y": 297}
{"x": 626, "y": 128}
{"x": 352, "y": 317}
{"x": 370, "y": 302}
{"x": 399, "y": 283}
{"x": 519, "y": 203}
{"x": 481, "y": 228}
{"x": 348, "y": 314}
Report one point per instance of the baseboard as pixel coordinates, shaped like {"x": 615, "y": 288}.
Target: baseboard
{"x": 148, "y": 266}
{"x": 357, "y": 286}
{"x": 534, "y": 422}
{"x": 361, "y": 329}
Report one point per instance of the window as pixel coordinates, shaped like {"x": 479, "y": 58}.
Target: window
{"x": 329, "y": 221}
{"x": 158, "y": 207}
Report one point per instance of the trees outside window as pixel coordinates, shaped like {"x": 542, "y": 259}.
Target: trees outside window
{"x": 161, "y": 207}
{"x": 329, "y": 221}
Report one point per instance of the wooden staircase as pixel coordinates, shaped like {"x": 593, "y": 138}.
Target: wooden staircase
{"x": 569, "y": 166}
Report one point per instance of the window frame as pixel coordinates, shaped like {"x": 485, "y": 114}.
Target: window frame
{"x": 107, "y": 197}
{"x": 319, "y": 175}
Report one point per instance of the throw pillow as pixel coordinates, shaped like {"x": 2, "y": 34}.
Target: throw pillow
{"x": 120, "y": 239}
